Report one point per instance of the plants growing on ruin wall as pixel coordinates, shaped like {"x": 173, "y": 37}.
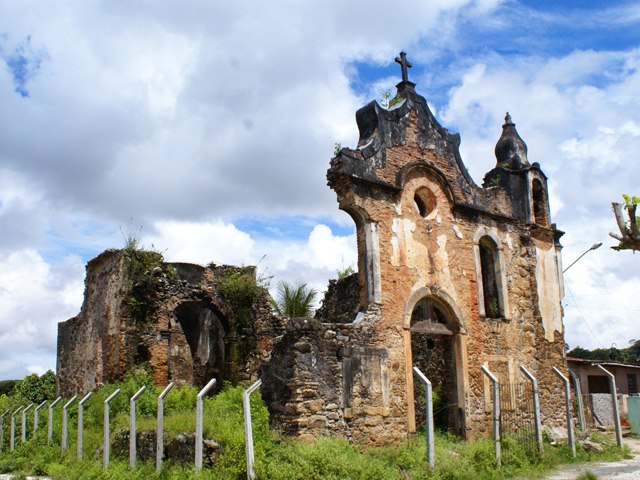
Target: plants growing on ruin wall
{"x": 144, "y": 268}
{"x": 240, "y": 290}
{"x": 142, "y": 265}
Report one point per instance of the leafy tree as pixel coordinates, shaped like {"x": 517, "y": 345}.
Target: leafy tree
{"x": 294, "y": 301}
{"x": 7, "y": 386}
{"x": 629, "y": 355}
{"x": 36, "y": 389}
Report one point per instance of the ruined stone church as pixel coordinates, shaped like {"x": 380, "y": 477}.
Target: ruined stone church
{"x": 451, "y": 276}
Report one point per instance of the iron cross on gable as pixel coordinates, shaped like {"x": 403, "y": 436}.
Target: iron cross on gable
{"x": 404, "y": 65}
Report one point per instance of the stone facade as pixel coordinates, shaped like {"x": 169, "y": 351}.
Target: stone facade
{"x": 452, "y": 276}
{"x": 194, "y": 332}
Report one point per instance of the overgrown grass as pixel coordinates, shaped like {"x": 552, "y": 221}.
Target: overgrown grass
{"x": 277, "y": 458}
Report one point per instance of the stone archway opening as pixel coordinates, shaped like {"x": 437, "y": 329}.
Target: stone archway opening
{"x": 433, "y": 352}
{"x": 205, "y": 332}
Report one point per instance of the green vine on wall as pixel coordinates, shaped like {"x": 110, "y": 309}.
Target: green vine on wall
{"x": 240, "y": 290}
{"x": 142, "y": 266}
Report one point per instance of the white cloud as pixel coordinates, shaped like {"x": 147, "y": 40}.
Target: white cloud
{"x": 202, "y": 243}
{"x": 313, "y": 261}
{"x": 34, "y": 297}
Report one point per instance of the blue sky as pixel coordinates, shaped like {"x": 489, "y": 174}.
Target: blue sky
{"x": 211, "y": 126}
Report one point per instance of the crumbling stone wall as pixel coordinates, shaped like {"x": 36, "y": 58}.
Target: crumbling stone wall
{"x": 195, "y": 333}
{"x": 341, "y": 302}
{"x": 328, "y": 378}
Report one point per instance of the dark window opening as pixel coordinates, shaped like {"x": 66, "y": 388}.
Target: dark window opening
{"x": 598, "y": 384}
{"x": 540, "y": 207}
{"x": 491, "y": 294}
{"x": 142, "y": 355}
{"x": 632, "y": 383}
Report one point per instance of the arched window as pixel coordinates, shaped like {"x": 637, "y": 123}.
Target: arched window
{"x": 490, "y": 268}
{"x": 540, "y": 205}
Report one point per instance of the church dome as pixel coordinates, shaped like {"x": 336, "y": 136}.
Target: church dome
{"x": 511, "y": 151}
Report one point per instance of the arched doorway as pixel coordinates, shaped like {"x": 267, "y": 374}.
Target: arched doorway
{"x": 436, "y": 345}
{"x": 206, "y": 334}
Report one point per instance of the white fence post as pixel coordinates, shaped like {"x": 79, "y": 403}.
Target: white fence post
{"x": 13, "y": 429}
{"x": 567, "y": 395}
{"x": 64, "y": 422}
{"x": 496, "y": 412}
{"x": 2, "y": 428}
{"x": 160, "y": 428}
{"x": 132, "y": 426}
{"x": 24, "y": 423}
{"x": 35, "y": 417}
{"x": 536, "y": 407}
{"x": 248, "y": 429}
{"x": 428, "y": 395}
{"x": 576, "y": 384}
{"x": 614, "y": 399}
{"x": 80, "y": 423}
{"x": 106, "y": 434}
{"x": 199, "y": 420}
{"x": 50, "y": 419}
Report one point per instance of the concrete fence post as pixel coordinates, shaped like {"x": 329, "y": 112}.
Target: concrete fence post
{"x": 24, "y": 423}
{"x": 106, "y": 433}
{"x": 160, "y": 428}
{"x": 12, "y": 437}
{"x": 496, "y": 412}
{"x": 65, "y": 409}
{"x": 576, "y": 386}
{"x": 536, "y": 407}
{"x": 614, "y": 400}
{"x": 81, "y": 423}
{"x": 2, "y": 428}
{"x": 248, "y": 430}
{"x": 50, "y": 419}
{"x": 199, "y": 420}
{"x": 132, "y": 426}
{"x": 428, "y": 395}
{"x": 35, "y": 417}
{"x": 567, "y": 395}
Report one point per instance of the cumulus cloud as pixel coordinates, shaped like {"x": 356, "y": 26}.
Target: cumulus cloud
{"x": 34, "y": 296}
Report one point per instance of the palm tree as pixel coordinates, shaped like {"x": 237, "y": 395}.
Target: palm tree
{"x": 294, "y": 301}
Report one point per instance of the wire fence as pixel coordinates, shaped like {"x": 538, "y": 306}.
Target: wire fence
{"x": 517, "y": 420}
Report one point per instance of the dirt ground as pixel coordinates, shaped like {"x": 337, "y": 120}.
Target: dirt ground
{"x": 621, "y": 470}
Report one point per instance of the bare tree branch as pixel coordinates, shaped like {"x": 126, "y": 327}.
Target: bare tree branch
{"x": 629, "y": 237}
